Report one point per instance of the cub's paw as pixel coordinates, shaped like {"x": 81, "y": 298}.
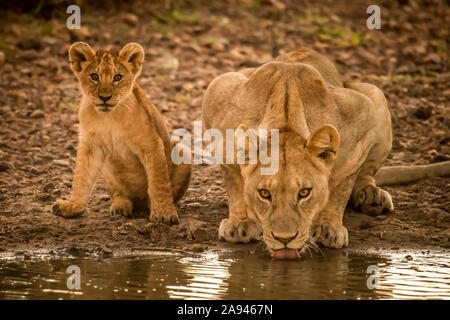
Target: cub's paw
{"x": 168, "y": 216}
{"x": 239, "y": 231}
{"x": 372, "y": 200}
{"x": 121, "y": 206}
{"x": 331, "y": 235}
{"x": 67, "y": 209}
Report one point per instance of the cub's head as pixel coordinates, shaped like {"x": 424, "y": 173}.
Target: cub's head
{"x": 286, "y": 202}
{"x": 106, "y": 77}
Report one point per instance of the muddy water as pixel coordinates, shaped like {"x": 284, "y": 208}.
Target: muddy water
{"x": 337, "y": 275}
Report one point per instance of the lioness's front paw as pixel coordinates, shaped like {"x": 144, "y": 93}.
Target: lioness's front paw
{"x": 169, "y": 217}
{"x": 121, "y": 206}
{"x": 372, "y": 200}
{"x": 67, "y": 209}
{"x": 331, "y": 235}
{"x": 239, "y": 231}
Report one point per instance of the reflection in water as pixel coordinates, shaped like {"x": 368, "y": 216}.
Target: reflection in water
{"x": 421, "y": 277}
{"x": 217, "y": 276}
{"x": 209, "y": 278}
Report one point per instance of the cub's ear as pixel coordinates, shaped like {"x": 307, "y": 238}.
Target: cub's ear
{"x": 133, "y": 55}
{"x": 79, "y": 54}
{"x": 323, "y": 145}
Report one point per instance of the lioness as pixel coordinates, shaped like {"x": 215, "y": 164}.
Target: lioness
{"x": 333, "y": 138}
{"x": 123, "y": 136}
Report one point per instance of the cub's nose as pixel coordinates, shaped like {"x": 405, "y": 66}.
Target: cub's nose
{"x": 103, "y": 98}
{"x": 285, "y": 240}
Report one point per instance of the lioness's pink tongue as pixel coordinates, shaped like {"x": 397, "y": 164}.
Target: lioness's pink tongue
{"x": 285, "y": 254}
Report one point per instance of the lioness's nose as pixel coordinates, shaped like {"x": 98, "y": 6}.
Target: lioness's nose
{"x": 103, "y": 98}
{"x": 285, "y": 240}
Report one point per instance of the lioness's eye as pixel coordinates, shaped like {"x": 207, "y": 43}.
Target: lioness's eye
{"x": 94, "y": 76}
{"x": 265, "y": 194}
{"x": 117, "y": 77}
{"x": 304, "y": 193}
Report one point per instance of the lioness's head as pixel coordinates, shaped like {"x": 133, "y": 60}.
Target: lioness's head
{"x": 106, "y": 77}
{"x": 286, "y": 202}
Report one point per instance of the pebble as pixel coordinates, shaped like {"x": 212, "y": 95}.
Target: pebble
{"x": 423, "y": 113}
{"x": 49, "y": 186}
{"x": 5, "y": 166}
{"x": 2, "y": 58}
{"x": 37, "y": 114}
{"x": 199, "y": 234}
{"x": 35, "y": 170}
{"x": 130, "y": 19}
{"x": 194, "y": 205}
{"x": 197, "y": 248}
{"x": 62, "y": 163}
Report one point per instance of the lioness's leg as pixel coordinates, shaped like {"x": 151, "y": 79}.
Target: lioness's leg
{"x": 327, "y": 227}
{"x": 238, "y": 227}
{"x": 366, "y": 196}
{"x": 88, "y": 164}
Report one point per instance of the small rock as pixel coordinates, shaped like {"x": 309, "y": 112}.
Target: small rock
{"x": 37, "y": 114}
{"x": 423, "y": 113}
{"x": 439, "y": 158}
{"x": 166, "y": 64}
{"x": 198, "y": 234}
{"x": 5, "y": 166}
{"x": 408, "y": 257}
{"x": 145, "y": 229}
{"x": 197, "y": 248}
{"x": 2, "y": 58}
{"x": 44, "y": 197}
{"x": 433, "y": 57}
{"x": 194, "y": 205}
{"x": 35, "y": 171}
{"x": 49, "y": 186}
{"x": 62, "y": 163}
{"x": 130, "y": 19}
{"x": 218, "y": 46}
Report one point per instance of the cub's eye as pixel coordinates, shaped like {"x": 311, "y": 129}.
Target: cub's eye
{"x": 265, "y": 194}
{"x": 117, "y": 77}
{"x": 304, "y": 193}
{"x": 94, "y": 76}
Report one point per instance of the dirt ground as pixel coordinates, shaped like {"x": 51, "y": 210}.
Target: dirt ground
{"x": 187, "y": 45}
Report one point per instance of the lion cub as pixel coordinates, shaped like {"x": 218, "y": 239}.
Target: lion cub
{"x": 122, "y": 136}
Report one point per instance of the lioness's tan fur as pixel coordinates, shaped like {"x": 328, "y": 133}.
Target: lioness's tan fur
{"x": 333, "y": 139}
{"x": 125, "y": 138}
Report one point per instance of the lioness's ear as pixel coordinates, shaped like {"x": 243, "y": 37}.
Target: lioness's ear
{"x": 323, "y": 145}
{"x": 133, "y": 54}
{"x": 79, "y": 54}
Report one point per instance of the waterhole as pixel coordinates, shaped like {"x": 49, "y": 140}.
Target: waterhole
{"x": 212, "y": 275}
